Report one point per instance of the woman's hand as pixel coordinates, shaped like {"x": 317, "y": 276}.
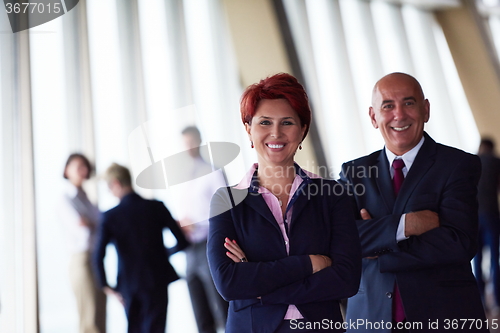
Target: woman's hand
{"x": 234, "y": 251}
{"x": 319, "y": 262}
{"x": 111, "y": 292}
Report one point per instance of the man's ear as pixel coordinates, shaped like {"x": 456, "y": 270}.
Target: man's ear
{"x": 113, "y": 183}
{"x": 371, "y": 113}
{"x": 427, "y": 107}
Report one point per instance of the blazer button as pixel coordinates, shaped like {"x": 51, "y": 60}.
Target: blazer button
{"x": 286, "y": 242}
{"x": 388, "y": 294}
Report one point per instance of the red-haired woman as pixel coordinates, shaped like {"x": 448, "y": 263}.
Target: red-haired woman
{"x": 289, "y": 251}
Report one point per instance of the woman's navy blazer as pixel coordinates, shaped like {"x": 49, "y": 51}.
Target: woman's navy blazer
{"x": 261, "y": 289}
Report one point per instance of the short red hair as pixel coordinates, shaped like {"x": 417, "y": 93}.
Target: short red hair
{"x": 278, "y": 86}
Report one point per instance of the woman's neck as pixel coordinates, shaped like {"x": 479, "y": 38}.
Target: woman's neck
{"x": 276, "y": 178}
{"x": 77, "y": 184}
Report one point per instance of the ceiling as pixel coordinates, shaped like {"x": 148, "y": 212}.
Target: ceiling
{"x": 429, "y": 4}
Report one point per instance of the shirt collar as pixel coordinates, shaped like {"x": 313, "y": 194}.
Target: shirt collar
{"x": 251, "y": 182}
{"x": 129, "y": 196}
{"x": 407, "y": 157}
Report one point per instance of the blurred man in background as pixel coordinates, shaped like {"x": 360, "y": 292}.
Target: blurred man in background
{"x": 489, "y": 220}
{"x": 210, "y": 310}
{"x": 135, "y": 227}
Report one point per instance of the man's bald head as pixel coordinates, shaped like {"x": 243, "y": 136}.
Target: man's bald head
{"x": 397, "y": 76}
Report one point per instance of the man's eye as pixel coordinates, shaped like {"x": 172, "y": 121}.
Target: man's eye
{"x": 387, "y": 106}
{"x": 409, "y": 103}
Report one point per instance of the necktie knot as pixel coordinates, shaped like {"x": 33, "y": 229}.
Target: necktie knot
{"x": 398, "y": 164}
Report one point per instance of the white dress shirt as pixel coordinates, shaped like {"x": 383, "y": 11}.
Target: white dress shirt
{"x": 193, "y": 197}
{"x": 74, "y": 205}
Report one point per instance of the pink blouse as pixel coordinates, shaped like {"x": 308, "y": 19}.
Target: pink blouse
{"x": 274, "y": 205}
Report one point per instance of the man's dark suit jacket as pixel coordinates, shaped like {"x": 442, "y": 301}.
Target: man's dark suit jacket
{"x": 488, "y": 184}
{"x": 432, "y": 270}
{"x": 135, "y": 227}
{"x": 321, "y": 224}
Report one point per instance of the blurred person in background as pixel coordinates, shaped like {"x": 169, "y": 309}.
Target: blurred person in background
{"x": 489, "y": 220}
{"x": 210, "y": 309}
{"x": 135, "y": 227}
{"x": 80, "y": 219}
{"x": 289, "y": 251}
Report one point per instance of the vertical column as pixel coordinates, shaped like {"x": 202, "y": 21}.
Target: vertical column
{"x": 179, "y": 61}
{"x": 214, "y": 74}
{"x": 19, "y": 292}
{"x": 130, "y": 49}
{"x": 294, "y": 27}
{"x": 338, "y": 97}
{"x": 79, "y": 109}
{"x": 25, "y": 196}
{"x": 77, "y": 77}
{"x": 10, "y": 302}
{"x": 131, "y": 64}
{"x": 476, "y": 64}
{"x": 391, "y": 36}
{"x": 365, "y": 61}
{"x": 425, "y": 55}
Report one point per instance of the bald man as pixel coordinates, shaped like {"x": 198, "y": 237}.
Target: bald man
{"x": 417, "y": 217}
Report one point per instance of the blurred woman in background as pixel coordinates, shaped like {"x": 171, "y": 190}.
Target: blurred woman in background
{"x": 80, "y": 217}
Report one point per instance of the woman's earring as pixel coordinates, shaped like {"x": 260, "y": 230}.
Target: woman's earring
{"x": 251, "y": 144}
{"x": 300, "y": 146}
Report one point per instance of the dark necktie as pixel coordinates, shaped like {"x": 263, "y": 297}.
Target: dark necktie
{"x": 399, "y": 177}
{"x": 398, "y": 312}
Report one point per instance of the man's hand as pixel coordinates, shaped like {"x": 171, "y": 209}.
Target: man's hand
{"x": 364, "y": 214}
{"x": 111, "y": 292}
{"x": 85, "y": 222}
{"x": 417, "y": 223}
{"x": 186, "y": 226}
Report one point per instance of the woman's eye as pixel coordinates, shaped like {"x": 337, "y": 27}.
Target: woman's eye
{"x": 265, "y": 122}
{"x": 287, "y": 123}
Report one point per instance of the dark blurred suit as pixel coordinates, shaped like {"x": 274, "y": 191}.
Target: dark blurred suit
{"x": 135, "y": 227}
{"x": 489, "y": 221}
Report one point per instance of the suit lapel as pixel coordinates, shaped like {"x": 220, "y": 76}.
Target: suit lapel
{"x": 300, "y": 197}
{"x": 423, "y": 161}
{"x": 257, "y": 203}
{"x": 300, "y": 203}
{"x": 384, "y": 181}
